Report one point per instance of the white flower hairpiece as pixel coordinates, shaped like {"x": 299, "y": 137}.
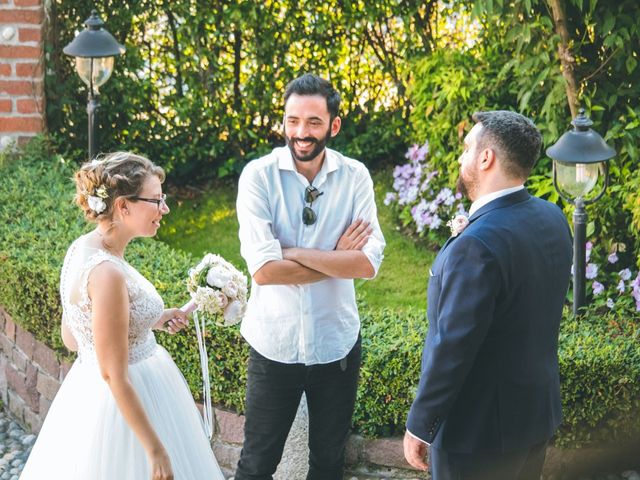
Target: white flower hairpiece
{"x": 96, "y": 204}
{"x": 96, "y": 201}
{"x": 457, "y": 224}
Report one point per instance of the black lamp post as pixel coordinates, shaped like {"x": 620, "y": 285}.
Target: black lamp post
{"x": 579, "y": 158}
{"x": 94, "y": 49}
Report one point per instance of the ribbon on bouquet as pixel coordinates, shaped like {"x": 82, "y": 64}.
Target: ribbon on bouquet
{"x": 204, "y": 366}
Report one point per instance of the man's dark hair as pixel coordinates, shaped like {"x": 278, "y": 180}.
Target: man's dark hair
{"x": 515, "y": 138}
{"x": 310, "y": 84}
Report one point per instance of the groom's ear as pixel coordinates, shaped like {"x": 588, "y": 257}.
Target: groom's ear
{"x": 487, "y": 159}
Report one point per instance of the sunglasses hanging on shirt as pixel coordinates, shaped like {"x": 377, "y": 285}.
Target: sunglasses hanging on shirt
{"x": 309, "y": 217}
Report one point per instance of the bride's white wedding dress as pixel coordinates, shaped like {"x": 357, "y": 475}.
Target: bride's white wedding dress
{"x": 84, "y": 435}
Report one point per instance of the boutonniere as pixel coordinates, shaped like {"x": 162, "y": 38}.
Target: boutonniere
{"x": 457, "y": 224}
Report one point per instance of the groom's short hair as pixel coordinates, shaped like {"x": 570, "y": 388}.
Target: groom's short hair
{"x": 515, "y": 138}
{"x": 310, "y": 84}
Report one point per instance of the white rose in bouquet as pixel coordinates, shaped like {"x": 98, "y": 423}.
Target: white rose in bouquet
{"x": 218, "y": 276}
{"x": 230, "y": 289}
{"x": 233, "y": 311}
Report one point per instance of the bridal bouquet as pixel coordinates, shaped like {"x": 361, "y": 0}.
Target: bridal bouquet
{"x": 218, "y": 291}
{"x": 219, "y": 297}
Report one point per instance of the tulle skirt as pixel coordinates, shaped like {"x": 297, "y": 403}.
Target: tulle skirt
{"x": 85, "y": 437}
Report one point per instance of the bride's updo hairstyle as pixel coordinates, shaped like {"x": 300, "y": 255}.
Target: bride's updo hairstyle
{"x": 101, "y": 181}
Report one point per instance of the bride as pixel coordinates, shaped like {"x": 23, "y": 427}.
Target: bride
{"x": 124, "y": 411}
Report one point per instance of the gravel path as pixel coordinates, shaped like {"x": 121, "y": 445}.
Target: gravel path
{"x": 15, "y": 446}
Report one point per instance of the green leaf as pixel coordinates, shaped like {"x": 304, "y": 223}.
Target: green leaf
{"x": 609, "y": 22}
{"x": 524, "y": 101}
{"x": 631, "y": 63}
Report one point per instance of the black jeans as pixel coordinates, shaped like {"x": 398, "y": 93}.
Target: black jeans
{"x": 523, "y": 464}
{"x": 274, "y": 391}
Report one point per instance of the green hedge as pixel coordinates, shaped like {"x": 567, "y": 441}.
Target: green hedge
{"x": 599, "y": 354}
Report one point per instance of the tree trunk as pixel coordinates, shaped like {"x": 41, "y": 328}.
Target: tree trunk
{"x": 567, "y": 61}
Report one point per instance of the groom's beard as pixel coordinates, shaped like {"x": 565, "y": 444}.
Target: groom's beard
{"x": 461, "y": 188}
{"x": 320, "y": 144}
{"x": 466, "y": 187}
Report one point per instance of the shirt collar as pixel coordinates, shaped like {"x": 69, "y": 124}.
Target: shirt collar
{"x": 490, "y": 197}
{"x": 332, "y": 161}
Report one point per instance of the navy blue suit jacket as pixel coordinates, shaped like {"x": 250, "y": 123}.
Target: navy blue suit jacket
{"x": 489, "y": 378}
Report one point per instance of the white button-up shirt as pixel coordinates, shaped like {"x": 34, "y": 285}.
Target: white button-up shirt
{"x": 318, "y": 322}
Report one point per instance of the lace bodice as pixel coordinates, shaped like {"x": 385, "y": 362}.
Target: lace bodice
{"x": 145, "y": 305}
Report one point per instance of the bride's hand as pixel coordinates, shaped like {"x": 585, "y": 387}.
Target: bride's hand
{"x": 172, "y": 321}
{"x": 160, "y": 465}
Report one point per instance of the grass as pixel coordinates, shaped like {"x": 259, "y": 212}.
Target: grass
{"x": 207, "y": 223}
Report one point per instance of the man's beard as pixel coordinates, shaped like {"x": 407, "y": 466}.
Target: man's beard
{"x": 466, "y": 187}
{"x": 461, "y": 187}
{"x": 317, "y": 149}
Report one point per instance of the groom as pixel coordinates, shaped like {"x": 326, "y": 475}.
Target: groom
{"x": 308, "y": 227}
{"x": 488, "y": 400}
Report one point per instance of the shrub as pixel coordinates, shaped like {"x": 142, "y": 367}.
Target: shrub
{"x": 599, "y": 352}
{"x": 599, "y": 374}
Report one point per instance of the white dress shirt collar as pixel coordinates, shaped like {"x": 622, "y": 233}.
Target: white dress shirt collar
{"x": 490, "y": 197}
{"x": 330, "y": 164}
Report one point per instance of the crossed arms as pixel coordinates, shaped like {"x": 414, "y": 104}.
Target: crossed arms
{"x": 309, "y": 265}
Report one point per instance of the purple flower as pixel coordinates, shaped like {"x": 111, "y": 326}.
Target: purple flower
{"x": 417, "y": 153}
{"x": 420, "y": 214}
{"x": 597, "y": 287}
{"x": 389, "y": 198}
{"x": 625, "y": 274}
{"x": 621, "y": 287}
{"x": 592, "y": 271}
{"x": 435, "y": 223}
{"x": 635, "y": 293}
{"x": 610, "y": 303}
{"x": 589, "y": 246}
{"x": 446, "y": 196}
{"x": 613, "y": 258}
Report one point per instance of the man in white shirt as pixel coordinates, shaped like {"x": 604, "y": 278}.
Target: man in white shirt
{"x": 308, "y": 227}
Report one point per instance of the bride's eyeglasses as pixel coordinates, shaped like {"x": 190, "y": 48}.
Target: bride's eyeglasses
{"x": 309, "y": 217}
{"x": 160, "y": 202}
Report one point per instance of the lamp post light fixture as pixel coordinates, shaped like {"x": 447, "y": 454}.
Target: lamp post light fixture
{"x": 94, "y": 50}
{"x": 579, "y": 157}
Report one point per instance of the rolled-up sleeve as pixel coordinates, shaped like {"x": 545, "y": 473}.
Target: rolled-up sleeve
{"x": 365, "y": 209}
{"x": 258, "y": 244}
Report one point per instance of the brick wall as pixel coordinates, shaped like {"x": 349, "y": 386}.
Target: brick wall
{"x": 22, "y": 104}
{"x": 30, "y": 373}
